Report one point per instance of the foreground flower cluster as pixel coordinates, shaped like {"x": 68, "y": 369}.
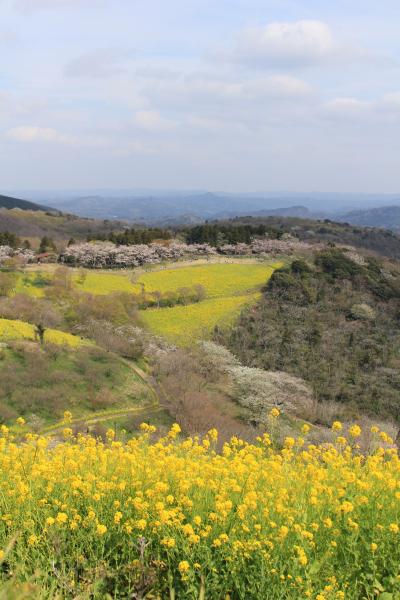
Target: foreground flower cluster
{"x": 173, "y": 518}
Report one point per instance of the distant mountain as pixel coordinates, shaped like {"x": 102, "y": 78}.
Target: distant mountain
{"x": 9, "y": 203}
{"x": 180, "y": 208}
{"x": 387, "y": 217}
{"x": 290, "y": 211}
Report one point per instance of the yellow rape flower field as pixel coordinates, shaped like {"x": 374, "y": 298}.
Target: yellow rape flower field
{"x": 175, "y": 518}
{"x": 185, "y": 323}
{"x": 17, "y": 330}
{"x": 218, "y": 280}
{"x": 229, "y": 288}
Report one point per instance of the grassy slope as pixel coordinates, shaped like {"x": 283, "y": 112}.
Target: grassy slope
{"x": 33, "y": 224}
{"x": 87, "y": 381}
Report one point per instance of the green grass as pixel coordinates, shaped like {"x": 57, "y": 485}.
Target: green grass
{"x": 184, "y": 323}
{"x": 88, "y": 381}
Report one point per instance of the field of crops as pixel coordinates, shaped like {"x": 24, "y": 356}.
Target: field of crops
{"x": 19, "y": 330}
{"x": 229, "y": 287}
{"x": 185, "y": 323}
{"x": 174, "y": 519}
{"x": 219, "y": 280}
{"x": 98, "y": 282}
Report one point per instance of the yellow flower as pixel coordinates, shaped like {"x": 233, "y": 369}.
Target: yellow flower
{"x": 394, "y": 528}
{"x": 337, "y": 426}
{"x": 305, "y": 428}
{"x": 355, "y": 431}
{"x": 289, "y": 442}
{"x": 20, "y": 421}
{"x": 67, "y": 433}
{"x": 183, "y": 566}
{"x": 67, "y": 416}
{"x": 110, "y": 434}
{"x": 274, "y": 412}
{"x": 2, "y": 555}
{"x": 346, "y": 507}
{"x": 117, "y": 517}
{"x": 62, "y": 517}
{"x": 101, "y": 529}
{"x": 50, "y": 521}
{"x": 374, "y": 546}
{"x": 168, "y": 542}
{"x": 32, "y": 540}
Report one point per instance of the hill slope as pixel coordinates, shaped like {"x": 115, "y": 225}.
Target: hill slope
{"x": 9, "y": 202}
{"x": 333, "y": 322}
{"x": 387, "y": 217}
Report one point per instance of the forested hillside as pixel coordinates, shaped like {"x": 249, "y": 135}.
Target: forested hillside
{"x": 333, "y": 321}
{"x": 383, "y": 241}
{"x": 10, "y": 202}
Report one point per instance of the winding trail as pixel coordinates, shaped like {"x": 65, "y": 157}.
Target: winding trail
{"x": 89, "y": 420}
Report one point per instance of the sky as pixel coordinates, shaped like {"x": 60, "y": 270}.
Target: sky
{"x": 234, "y": 95}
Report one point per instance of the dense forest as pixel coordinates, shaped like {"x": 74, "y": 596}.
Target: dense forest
{"x": 132, "y": 236}
{"x": 333, "y": 321}
{"x": 217, "y": 234}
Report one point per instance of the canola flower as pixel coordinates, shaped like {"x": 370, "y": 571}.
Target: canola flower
{"x": 179, "y": 518}
{"x": 218, "y": 279}
{"x": 195, "y": 321}
{"x": 13, "y": 329}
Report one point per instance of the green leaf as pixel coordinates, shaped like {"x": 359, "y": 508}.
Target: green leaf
{"x": 378, "y": 586}
{"x": 315, "y": 567}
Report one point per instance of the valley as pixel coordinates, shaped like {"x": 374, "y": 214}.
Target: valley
{"x": 257, "y": 352}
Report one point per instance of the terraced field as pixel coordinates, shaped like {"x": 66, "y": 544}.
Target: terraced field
{"x": 225, "y": 279}
{"x": 185, "y": 323}
{"x": 229, "y": 288}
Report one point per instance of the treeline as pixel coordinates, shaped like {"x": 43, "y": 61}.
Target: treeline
{"x": 218, "y": 234}
{"x": 333, "y": 321}
{"x": 183, "y": 296}
{"x": 215, "y": 234}
{"x": 130, "y": 237}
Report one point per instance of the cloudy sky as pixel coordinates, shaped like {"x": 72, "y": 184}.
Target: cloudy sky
{"x": 236, "y": 95}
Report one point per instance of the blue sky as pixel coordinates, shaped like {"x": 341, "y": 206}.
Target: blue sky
{"x": 244, "y": 95}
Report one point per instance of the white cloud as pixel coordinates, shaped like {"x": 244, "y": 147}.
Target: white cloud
{"x": 391, "y": 102}
{"x": 100, "y": 63}
{"x": 285, "y": 44}
{"x": 151, "y": 120}
{"x": 28, "y": 134}
{"x": 348, "y": 108}
{"x": 278, "y": 86}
